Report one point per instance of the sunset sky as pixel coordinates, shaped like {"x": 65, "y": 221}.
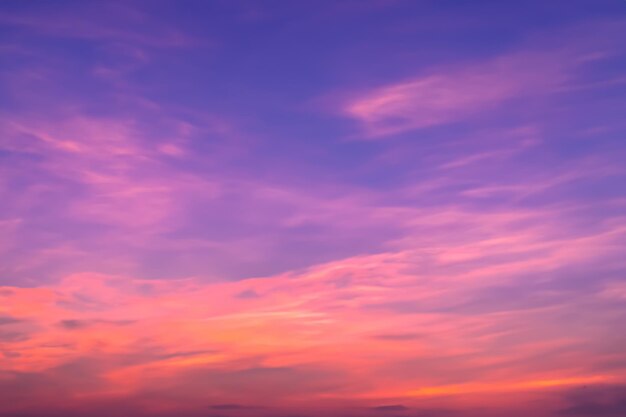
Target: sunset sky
{"x": 312, "y": 208}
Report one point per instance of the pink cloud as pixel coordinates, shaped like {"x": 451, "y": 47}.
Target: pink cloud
{"x": 455, "y": 94}
{"x": 457, "y": 295}
{"x": 155, "y": 259}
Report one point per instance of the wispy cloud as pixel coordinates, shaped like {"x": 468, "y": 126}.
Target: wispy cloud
{"x": 181, "y": 236}
{"x": 456, "y": 93}
{"x": 342, "y": 316}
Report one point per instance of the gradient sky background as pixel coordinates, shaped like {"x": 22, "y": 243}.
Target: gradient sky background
{"x": 313, "y": 208}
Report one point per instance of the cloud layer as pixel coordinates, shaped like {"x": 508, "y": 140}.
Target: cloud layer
{"x": 239, "y": 209}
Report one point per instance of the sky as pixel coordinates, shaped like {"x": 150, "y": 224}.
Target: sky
{"x": 343, "y": 208}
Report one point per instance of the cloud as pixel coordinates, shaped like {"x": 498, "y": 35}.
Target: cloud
{"x": 13, "y": 336}
{"x": 607, "y": 401}
{"x": 317, "y": 331}
{"x": 160, "y": 259}
{"x": 248, "y": 294}
{"x": 398, "y": 336}
{"x": 73, "y": 324}
{"x": 394, "y": 407}
{"x": 460, "y": 92}
{"x": 8, "y": 320}
{"x": 232, "y": 407}
{"x": 455, "y": 95}
{"x": 111, "y": 23}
